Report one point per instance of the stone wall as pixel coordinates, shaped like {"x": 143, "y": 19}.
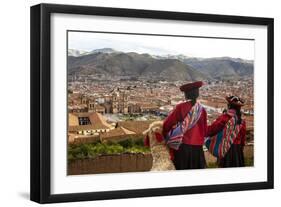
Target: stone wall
{"x": 111, "y": 164}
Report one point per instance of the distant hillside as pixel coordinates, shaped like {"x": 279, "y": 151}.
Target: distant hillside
{"x": 133, "y": 65}
{"x": 222, "y": 68}
{"x": 110, "y": 62}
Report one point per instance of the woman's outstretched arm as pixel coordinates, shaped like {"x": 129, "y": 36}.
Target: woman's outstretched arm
{"x": 217, "y": 125}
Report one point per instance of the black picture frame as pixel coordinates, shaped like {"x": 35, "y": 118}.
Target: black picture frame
{"x": 41, "y": 96}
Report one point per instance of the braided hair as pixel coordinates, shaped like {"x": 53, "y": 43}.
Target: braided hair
{"x": 192, "y": 95}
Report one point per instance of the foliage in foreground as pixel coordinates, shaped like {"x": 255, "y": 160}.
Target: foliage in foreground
{"x": 92, "y": 150}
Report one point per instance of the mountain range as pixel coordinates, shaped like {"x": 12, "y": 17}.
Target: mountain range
{"x": 110, "y": 62}
{"x": 77, "y": 53}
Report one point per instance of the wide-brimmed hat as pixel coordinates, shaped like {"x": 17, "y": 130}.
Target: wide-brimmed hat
{"x": 235, "y": 100}
{"x": 190, "y": 86}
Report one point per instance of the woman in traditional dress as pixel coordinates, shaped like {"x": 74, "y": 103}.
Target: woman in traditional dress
{"x": 232, "y": 128}
{"x": 190, "y": 153}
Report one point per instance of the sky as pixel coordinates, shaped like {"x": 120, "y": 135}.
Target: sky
{"x": 163, "y": 45}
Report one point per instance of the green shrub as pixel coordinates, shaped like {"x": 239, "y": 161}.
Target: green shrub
{"x": 126, "y": 143}
{"x": 91, "y": 150}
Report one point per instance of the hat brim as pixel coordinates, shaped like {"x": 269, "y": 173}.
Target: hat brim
{"x": 191, "y": 86}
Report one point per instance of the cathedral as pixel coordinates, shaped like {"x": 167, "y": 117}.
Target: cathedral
{"x": 119, "y": 102}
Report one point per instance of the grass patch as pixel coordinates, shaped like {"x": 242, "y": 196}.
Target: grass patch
{"x": 249, "y": 161}
{"x": 212, "y": 165}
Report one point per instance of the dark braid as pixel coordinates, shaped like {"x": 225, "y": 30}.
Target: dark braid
{"x": 238, "y": 112}
{"x": 192, "y": 95}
